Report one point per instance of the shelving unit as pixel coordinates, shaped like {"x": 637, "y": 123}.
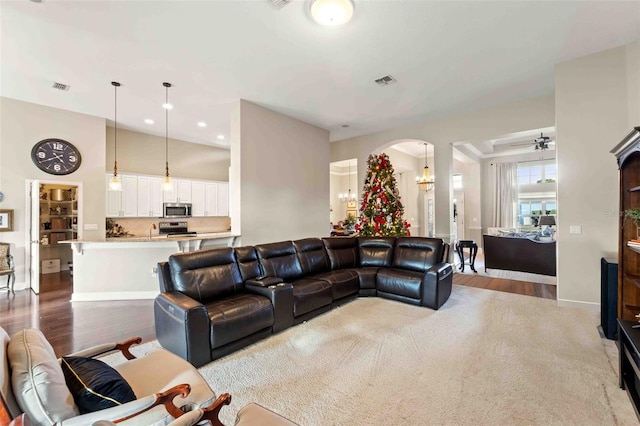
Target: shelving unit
{"x": 627, "y": 153}
{"x": 58, "y": 222}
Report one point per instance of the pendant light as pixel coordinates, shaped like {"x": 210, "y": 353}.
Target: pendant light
{"x": 115, "y": 184}
{"x": 425, "y": 183}
{"x": 167, "y": 184}
{"x": 348, "y": 196}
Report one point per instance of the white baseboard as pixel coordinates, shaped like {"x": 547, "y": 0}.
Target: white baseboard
{"x": 587, "y": 306}
{"x": 123, "y": 295}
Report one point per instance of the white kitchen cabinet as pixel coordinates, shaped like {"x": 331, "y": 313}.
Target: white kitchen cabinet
{"x": 123, "y": 203}
{"x": 181, "y": 192}
{"x": 149, "y": 196}
{"x": 198, "y": 203}
{"x": 142, "y": 196}
{"x": 223, "y": 199}
{"x": 211, "y": 199}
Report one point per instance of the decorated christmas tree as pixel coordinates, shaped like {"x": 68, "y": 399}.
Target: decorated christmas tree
{"x": 381, "y": 211}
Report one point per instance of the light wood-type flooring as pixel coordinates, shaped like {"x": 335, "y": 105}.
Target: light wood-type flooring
{"x": 71, "y": 326}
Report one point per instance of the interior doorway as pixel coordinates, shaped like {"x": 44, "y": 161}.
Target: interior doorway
{"x": 54, "y": 217}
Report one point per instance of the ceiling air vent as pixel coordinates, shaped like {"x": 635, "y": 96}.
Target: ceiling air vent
{"x": 60, "y": 86}
{"x": 386, "y": 80}
{"x": 280, "y": 3}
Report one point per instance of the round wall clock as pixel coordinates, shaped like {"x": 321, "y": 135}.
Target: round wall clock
{"x": 56, "y": 156}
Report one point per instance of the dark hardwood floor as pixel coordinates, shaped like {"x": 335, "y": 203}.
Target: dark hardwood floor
{"x": 71, "y": 326}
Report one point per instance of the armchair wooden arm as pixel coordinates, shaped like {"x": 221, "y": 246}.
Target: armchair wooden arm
{"x": 165, "y": 398}
{"x": 109, "y": 347}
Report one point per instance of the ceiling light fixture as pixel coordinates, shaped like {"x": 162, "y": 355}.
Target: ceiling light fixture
{"x": 148, "y": 121}
{"x": 332, "y": 12}
{"x": 167, "y": 185}
{"x": 348, "y": 196}
{"x": 115, "y": 184}
{"x": 221, "y": 137}
{"x": 202, "y": 124}
{"x": 425, "y": 183}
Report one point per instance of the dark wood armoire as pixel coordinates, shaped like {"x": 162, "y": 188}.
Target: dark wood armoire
{"x": 627, "y": 153}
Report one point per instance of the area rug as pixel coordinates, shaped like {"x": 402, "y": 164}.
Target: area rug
{"x": 484, "y": 358}
{"x": 499, "y": 273}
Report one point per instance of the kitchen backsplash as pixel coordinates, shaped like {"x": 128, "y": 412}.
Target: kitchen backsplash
{"x": 139, "y": 226}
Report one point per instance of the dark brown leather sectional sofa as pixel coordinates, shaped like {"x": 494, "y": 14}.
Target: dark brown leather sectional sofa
{"x": 214, "y": 302}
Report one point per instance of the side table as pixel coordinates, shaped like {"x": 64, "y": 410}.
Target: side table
{"x": 473, "y": 251}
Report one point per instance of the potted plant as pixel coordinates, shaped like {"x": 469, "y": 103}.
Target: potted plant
{"x": 350, "y": 222}
{"x": 634, "y": 215}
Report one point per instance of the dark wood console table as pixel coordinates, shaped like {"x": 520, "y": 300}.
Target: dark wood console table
{"x": 629, "y": 339}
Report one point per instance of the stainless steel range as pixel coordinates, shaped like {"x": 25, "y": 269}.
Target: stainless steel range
{"x": 175, "y": 229}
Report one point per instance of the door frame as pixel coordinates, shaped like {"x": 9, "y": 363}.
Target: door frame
{"x": 28, "y": 221}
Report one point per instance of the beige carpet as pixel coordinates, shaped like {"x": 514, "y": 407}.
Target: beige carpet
{"x": 485, "y": 358}
{"x": 499, "y": 273}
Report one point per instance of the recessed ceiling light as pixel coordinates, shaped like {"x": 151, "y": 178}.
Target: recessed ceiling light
{"x": 167, "y": 106}
{"x": 332, "y": 12}
{"x": 148, "y": 121}
{"x": 221, "y": 137}
{"x": 202, "y": 124}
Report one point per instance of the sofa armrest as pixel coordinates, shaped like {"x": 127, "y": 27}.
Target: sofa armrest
{"x": 183, "y": 327}
{"x": 131, "y": 412}
{"x": 436, "y": 285}
{"x": 265, "y": 281}
{"x": 281, "y": 296}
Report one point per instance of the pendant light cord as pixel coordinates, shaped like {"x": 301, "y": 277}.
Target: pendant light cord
{"x": 166, "y": 129}
{"x": 115, "y": 127}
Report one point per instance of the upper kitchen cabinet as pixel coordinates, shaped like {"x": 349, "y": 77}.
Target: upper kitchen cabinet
{"x": 210, "y": 198}
{"x": 149, "y": 196}
{"x": 181, "y": 192}
{"x": 123, "y": 203}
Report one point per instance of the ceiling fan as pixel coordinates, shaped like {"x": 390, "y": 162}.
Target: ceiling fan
{"x": 540, "y": 143}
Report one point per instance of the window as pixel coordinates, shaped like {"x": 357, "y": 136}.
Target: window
{"x": 529, "y": 174}
{"x": 529, "y": 211}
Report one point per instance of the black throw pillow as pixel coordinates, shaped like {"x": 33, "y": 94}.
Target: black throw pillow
{"x": 94, "y": 384}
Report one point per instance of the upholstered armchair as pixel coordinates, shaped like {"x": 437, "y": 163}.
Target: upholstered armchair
{"x": 47, "y": 391}
{"x": 7, "y": 267}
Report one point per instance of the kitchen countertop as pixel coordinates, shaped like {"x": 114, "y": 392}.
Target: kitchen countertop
{"x": 184, "y": 243}
{"x": 198, "y": 236}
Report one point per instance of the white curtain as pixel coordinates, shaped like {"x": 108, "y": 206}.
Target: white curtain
{"x": 506, "y": 195}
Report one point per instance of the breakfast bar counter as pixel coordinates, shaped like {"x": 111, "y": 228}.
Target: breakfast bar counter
{"x": 125, "y": 268}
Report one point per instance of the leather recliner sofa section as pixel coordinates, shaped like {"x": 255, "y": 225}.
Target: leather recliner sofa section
{"x": 214, "y": 302}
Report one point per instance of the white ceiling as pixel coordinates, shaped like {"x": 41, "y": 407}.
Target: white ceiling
{"x": 446, "y": 57}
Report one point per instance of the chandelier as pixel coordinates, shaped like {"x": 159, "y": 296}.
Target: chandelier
{"x": 348, "y": 196}
{"x": 425, "y": 183}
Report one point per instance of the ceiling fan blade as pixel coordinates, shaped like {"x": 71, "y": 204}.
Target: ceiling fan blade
{"x": 522, "y": 143}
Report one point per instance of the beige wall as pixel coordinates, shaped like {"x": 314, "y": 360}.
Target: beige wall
{"x": 283, "y": 170}
{"x": 471, "y": 187}
{"x": 186, "y": 159}
{"x": 596, "y": 106}
{"x": 442, "y": 133}
{"x": 23, "y": 124}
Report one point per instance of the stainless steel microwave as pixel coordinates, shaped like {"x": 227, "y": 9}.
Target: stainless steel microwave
{"x": 176, "y": 210}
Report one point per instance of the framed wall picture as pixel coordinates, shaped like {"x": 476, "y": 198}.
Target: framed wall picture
{"x": 352, "y": 212}
{"x": 6, "y": 220}
{"x": 351, "y": 204}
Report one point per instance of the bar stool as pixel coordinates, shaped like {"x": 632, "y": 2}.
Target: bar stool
{"x": 473, "y": 251}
